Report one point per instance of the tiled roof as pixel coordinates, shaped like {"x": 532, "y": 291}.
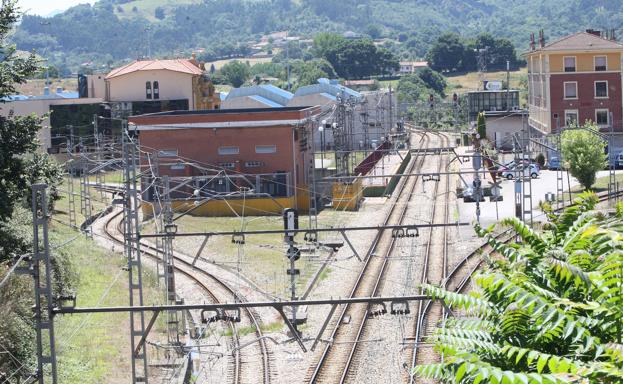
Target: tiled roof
{"x": 581, "y": 41}
{"x": 177, "y": 65}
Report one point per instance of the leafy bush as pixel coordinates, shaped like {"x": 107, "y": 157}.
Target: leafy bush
{"x": 583, "y": 154}
{"x": 548, "y": 309}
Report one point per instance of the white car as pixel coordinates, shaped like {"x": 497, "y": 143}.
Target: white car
{"x": 528, "y": 171}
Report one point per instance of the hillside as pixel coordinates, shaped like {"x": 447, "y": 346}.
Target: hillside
{"x": 116, "y": 30}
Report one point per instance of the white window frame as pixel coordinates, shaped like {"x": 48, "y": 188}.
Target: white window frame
{"x": 564, "y": 90}
{"x": 228, "y": 150}
{"x": 607, "y": 116}
{"x": 575, "y": 64}
{"x": 595, "y": 89}
{"x": 595, "y": 63}
{"x": 262, "y": 151}
{"x": 168, "y": 153}
{"x": 572, "y": 111}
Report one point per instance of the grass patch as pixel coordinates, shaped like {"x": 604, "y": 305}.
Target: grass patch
{"x": 95, "y": 348}
{"x": 324, "y": 274}
{"x": 601, "y": 185}
{"x": 266, "y": 328}
{"x": 262, "y": 257}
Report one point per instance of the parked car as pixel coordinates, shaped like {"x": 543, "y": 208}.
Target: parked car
{"x": 619, "y": 160}
{"x": 510, "y": 165}
{"x": 531, "y": 170}
{"x": 554, "y": 163}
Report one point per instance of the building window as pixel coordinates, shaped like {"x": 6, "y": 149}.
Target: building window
{"x": 148, "y": 89}
{"x": 265, "y": 149}
{"x": 602, "y": 116}
{"x": 571, "y": 117}
{"x": 571, "y": 90}
{"x": 601, "y": 89}
{"x": 228, "y": 150}
{"x": 156, "y": 90}
{"x": 253, "y": 164}
{"x": 569, "y": 64}
{"x": 178, "y": 167}
{"x": 601, "y": 63}
{"x": 167, "y": 153}
{"x": 227, "y": 165}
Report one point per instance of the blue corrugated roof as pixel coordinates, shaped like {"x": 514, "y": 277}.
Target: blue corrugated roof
{"x": 328, "y": 87}
{"x": 264, "y": 100}
{"x": 50, "y": 96}
{"x": 281, "y": 92}
{"x": 267, "y": 91}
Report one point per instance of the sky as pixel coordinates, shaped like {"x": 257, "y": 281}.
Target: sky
{"x": 45, "y": 7}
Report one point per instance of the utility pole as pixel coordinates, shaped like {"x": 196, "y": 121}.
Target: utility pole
{"x": 391, "y": 116}
{"x": 612, "y": 184}
{"x": 98, "y": 155}
{"x": 508, "y": 85}
{"x": 133, "y": 254}
{"x": 40, "y": 267}
{"x": 560, "y": 188}
{"x": 527, "y": 216}
{"x": 71, "y": 197}
{"x": 291, "y": 222}
{"x": 170, "y": 230}
{"x": 85, "y": 195}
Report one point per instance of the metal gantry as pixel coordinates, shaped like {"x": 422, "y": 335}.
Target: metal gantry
{"x": 526, "y": 177}
{"x": 41, "y": 270}
{"x": 132, "y": 247}
{"x": 173, "y": 324}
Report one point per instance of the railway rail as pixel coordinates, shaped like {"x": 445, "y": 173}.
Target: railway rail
{"x": 336, "y": 358}
{"x": 209, "y": 284}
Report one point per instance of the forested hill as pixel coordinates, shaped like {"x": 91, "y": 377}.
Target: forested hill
{"x": 113, "y": 30}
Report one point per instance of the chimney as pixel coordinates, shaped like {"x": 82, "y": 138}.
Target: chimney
{"x": 594, "y": 32}
{"x": 46, "y": 90}
{"x": 541, "y": 38}
{"x": 59, "y": 90}
{"x": 532, "y": 42}
{"x": 613, "y": 35}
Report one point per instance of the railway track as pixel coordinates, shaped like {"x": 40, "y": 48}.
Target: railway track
{"x": 217, "y": 291}
{"x": 337, "y": 357}
{"x": 435, "y": 263}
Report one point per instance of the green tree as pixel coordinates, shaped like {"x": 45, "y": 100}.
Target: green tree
{"x": 583, "y": 154}
{"x": 308, "y": 72}
{"x": 447, "y": 53}
{"x": 374, "y": 31}
{"x": 433, "y": 80}
{"x": 481, "y": 125}
{"x": 20, "y": 167}
{"x": 236, "y": 73}
{"x": 548, "y": 309}
{"x": 327, "y": 42}
{"x": 411, "y": 89}
{"x": 159, "y": 13}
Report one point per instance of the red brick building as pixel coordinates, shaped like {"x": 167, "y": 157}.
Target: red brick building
{"x": 264, "y": 152}
{"x": 575, "y": 79}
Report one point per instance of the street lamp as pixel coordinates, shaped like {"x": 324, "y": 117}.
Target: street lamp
{"x": 321, "y": 130}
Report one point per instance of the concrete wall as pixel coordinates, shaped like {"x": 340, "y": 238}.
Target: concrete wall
{"x": 131, "y": 87}
{"x": 500, "y": 129}
{"x": 97, "y": 86}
